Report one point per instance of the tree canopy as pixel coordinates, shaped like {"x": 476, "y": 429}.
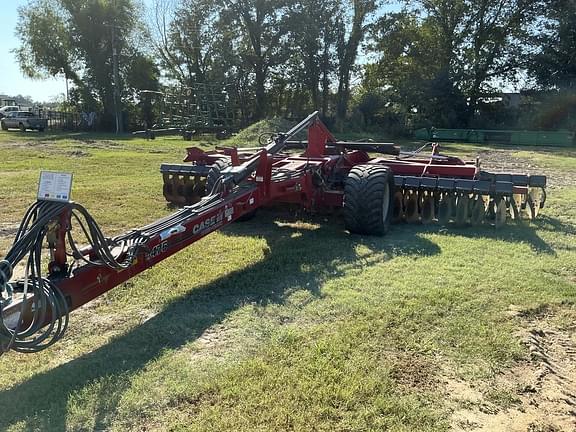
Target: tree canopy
{"x": 420, "y": 63}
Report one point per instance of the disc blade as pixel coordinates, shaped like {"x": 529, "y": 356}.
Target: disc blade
{"x": 411, "y": 208}
{"x": 398, "y": 207}
{"x": 501, "y": 213}
{"x": 478, "y": 212}
{"x": 427, "y": 213}
{"x": 536, "y": 195}
{"x": 462, "y": 209}
{"x": 514, "y": 210}
{"x": 445, "y": 209}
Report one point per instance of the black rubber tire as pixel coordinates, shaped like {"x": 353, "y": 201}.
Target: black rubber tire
{"x": 214, "y": 173}
{"x": 22, "y": 127}
{"x": 368, "y": 199}
{"x": 4, "y": 127}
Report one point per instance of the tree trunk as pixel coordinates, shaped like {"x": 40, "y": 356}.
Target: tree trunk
{"x": 260, "y": 109}
{"x": 325, "y": 78}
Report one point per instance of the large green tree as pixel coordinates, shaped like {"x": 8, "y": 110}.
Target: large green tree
{"x": 450, "y": 51}
{"x": 553, "y": 65}
{"x": 314, "y": 30}
{"x": 349, "y": 40}
{"x": 78, "y": 38}
{"x": 261, "y": 27}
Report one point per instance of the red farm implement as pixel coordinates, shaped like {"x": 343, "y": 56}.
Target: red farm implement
{"x": 371, "y": 184}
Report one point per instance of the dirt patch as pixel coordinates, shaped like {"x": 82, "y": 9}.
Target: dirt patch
{"x": 213, "y": 336}
{"x": 505, "y": 161}
{"x": 46, "y": 147}
{"x": 77, "y": 153}
{"x": 99, "y": 144}
{"x": 538, "y": 395}
{"x": 412, "y": 371}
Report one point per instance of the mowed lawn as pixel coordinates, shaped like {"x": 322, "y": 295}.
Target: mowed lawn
{"x": 287, "y": 322}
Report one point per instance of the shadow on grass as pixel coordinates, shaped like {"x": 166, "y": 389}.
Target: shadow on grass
{"x": 510, "y": 234}
{"x": 522, "y": 232}
{"x": 299, "y": 256}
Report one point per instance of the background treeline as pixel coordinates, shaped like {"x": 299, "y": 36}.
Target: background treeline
{"x": 428, "y": 62}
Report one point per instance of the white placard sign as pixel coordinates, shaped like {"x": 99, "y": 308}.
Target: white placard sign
{"x": 55, "y": 186}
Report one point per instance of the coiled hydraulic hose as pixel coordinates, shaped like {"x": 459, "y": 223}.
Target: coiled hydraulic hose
{"x": 38, "y": 294}
{"x": 49, "y": 317}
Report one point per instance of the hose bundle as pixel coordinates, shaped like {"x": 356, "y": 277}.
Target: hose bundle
{"x": 48, "y": 306}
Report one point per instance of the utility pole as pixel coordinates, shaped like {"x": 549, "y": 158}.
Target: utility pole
{"x": 116, "y": 78}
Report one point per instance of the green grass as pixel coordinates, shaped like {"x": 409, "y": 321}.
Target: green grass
{"x": 284, "y": 322}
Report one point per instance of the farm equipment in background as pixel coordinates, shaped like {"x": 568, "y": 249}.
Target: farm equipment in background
{"x": 508, "y": 137}
{"x": 186, "y": 111}
{"x": 221, "y": 186}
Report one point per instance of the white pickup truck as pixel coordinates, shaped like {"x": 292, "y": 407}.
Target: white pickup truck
{"x": 23, "y": 120}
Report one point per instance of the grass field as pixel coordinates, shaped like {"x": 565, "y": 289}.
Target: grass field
{"x": 288, "y": 323}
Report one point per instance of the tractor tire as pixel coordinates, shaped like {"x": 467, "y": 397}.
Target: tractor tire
{"x": 369, "y": 199}
{"x": 215, "y": 173}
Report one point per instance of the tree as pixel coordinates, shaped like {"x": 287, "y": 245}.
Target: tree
{"x": 413, "y": 75}
{"x": 347, "y": 48}
{"x": 261, "y": 42}
{"x": 314, "y": 28}
{"x": 451, "y": 52}
{"x": 553, "y": 65}
{"x": 78, "y": 38}
{"x": 496, "y": 47}
{"x": 186, "y": 35}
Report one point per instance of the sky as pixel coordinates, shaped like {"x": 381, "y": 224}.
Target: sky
{"x": 12, "y": 81}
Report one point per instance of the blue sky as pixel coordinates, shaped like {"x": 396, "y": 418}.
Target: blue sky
{"x": 12, "y": 81}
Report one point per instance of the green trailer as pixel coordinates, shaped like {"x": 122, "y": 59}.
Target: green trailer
{"x": 511, "y": 137}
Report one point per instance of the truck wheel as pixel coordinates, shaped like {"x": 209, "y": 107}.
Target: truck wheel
{"x": 4, "y": 127}
{"x": 215, "y": 173}
{"x": 22, "y": 127}
{"x": 368, "y": 199}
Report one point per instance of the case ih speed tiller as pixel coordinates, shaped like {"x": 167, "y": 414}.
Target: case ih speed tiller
{"x": 219, "y": 187}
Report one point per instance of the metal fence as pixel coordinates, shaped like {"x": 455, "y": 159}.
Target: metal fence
{"x": 59, "y": 120}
